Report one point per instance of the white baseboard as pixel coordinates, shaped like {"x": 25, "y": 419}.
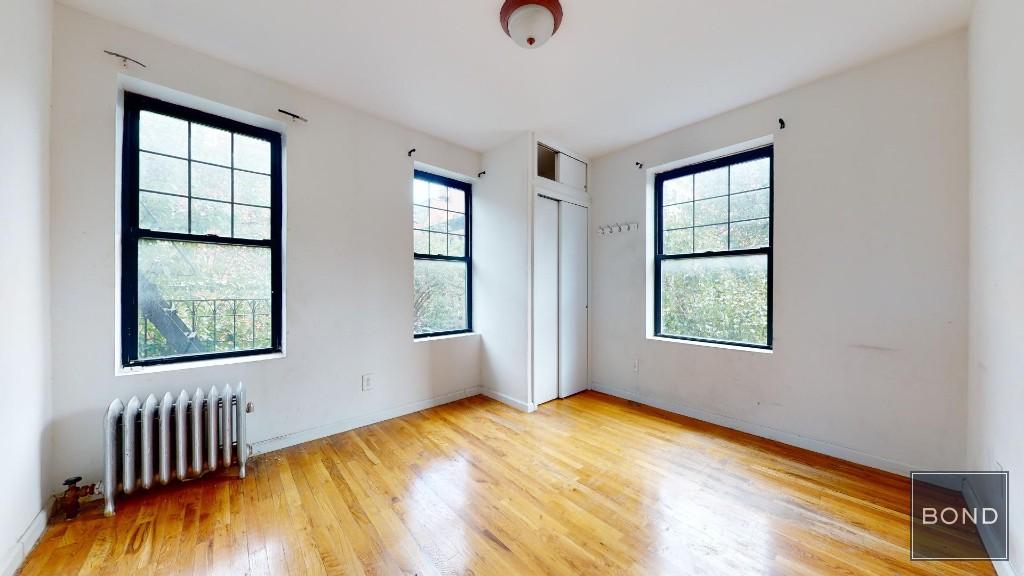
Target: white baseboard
{"x": 1003, "y": 567}
{"x": 302, "y": 436}
{"x": 508, "y": 400}
{"x": 17, "y": 553}
{"x": 768, "y": 432}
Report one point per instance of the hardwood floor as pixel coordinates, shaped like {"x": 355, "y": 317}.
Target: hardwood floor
{"x": 587, "y": 485}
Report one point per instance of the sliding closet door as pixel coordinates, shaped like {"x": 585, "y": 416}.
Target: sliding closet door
{"x": 572, "y": 306}
{"x": 545, "y": 300}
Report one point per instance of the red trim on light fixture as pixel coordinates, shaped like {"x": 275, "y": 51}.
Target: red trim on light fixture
{"x": 510, "y": 6}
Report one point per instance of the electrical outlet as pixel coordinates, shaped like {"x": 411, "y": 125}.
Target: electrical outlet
{"x": 367, "y": 382}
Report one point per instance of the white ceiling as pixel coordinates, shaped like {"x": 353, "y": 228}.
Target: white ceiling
{"x": 616, "y": 73}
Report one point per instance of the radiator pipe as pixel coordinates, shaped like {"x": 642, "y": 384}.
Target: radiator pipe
{"x": 146, "y": 450}
{"x": 131, "y": 412}
{"x": 225, "y": 425}
{"x": 243, "y": 448}
{"x": 197, "y": 432}
{"x": 164, "y": 437}
{"x": 180, "y": 434}
{"x": 110, "y": 459}
{"x": 212, "y": 406}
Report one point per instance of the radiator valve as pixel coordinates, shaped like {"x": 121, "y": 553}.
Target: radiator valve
{"x": 70, "y": 502}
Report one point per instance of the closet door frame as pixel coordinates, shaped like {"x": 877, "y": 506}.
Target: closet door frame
{"x": 545, "y": 306}
{"x": 560, "y": 193}
{"x": 573, "y": 314}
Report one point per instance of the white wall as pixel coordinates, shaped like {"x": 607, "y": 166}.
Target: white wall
{"x": 870, "y": 268}
{"x": 349, "y": 253}
{"x": 501, "y": 236}
{"x": 995, "y": 428}
{"x": 25, "y": 41}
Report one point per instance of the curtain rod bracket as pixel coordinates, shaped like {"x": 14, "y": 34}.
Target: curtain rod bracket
{"x": 293, "y": 116}
{"x": 124, "y": 59}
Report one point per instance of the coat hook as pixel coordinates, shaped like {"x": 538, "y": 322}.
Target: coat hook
{"x": 782, "y": 124}
{"x": 639, "y": 165}
{"x": 481, "y": 174}
{"x": 411, "y": 152}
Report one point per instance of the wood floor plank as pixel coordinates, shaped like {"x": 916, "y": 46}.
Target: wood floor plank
{"x": 586, "y": 485}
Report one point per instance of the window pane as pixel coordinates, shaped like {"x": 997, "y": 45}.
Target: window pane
{"x": 441, "y": 301}
{"x": 456, "y": 200}
{"x": 252, "y": 154}
{"x": 252, "y": 188}
{"x": 421, "y": 242}
{"x": 163, "y": 134}
{"x": 749, "y": 205}
{"x": 197, "y": 298}
{"x": 211, "y": 218}
{"x": 714, "y": 211}
{"x": 163, "y": 174}
{"x": 711, "y": 238}
{"x": 438, "y": 244}
{"x": 162, "y": 212}
{"x": 438, "y": 220}
{"x": 456, "y": 245}
{"x": 421, "y": 217}
{"x": 438, "y": 196}
{"x": 678, "y": 241}
{"x": 456, "y": 223}
{"x": 678, "y": 216}
{"x": 252, "y": 223}
{"x": 750, "y": 234}
{"x": 677, "y": 190}
{"x": 421, "y": 192}
{"x": 211, "y": 182}
{"x": 211, "y": 145}
{"x": 750, "y": 175}
{"x": 720, "y": 298}
{"x": 711, "y": 183}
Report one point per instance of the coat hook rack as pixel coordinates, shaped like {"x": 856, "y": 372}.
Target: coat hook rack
{"x": 617, "y": 228}
{"x": 294, "y": 117}
{"x": 124, "y": 59}
{"x": 411, "y": 152}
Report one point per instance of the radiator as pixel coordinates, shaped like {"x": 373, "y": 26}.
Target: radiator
{"x": 172, "y": 438}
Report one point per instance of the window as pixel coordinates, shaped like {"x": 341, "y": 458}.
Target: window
{"x": 201, "y": 236}
{"x": 713, "y": 254}
{"x": 442, "y": 278}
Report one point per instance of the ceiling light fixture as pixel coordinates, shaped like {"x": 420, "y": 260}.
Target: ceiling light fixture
{"x": 530, "y": 23}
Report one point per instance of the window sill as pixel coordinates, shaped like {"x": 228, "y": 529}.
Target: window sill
{"x": 135, "y": 370}
{"x": 712, "y": 345}
{"x": 446, "y": 337}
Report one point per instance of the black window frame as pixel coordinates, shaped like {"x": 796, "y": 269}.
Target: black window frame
{"x": 659, "y": 255}
{"x": 131, "y": 233}
{"x": 467, "y": 188}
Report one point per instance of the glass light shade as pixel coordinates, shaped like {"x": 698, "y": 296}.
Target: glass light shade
{"x": 532, "y": 25}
